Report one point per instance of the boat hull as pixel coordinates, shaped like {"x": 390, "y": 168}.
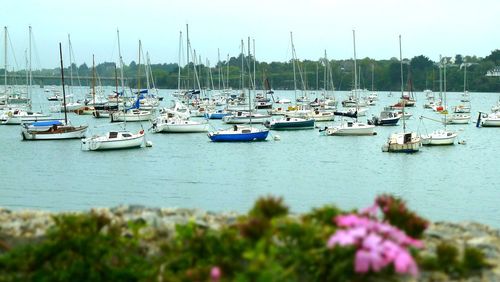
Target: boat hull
{"x": 290, "y": 125}
{"x": 61, "y": 133}
{"x": 245, "y": 120}
{"x": 491, "y": 123}
{"x": 402, "y": 148}
{"x": 350, "y": 130}
{"x": 216, "y": 115}
{"x": 21, "y": 120}
{"x": 114, "y": 144}
{"x": 238, "y": 137}
{"x": 429, "y": 140}
{"x": 131, "y": 117}
{"x": 182, "y": 128}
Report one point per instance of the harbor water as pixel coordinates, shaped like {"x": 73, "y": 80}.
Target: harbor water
{"x": 452, "y": 183}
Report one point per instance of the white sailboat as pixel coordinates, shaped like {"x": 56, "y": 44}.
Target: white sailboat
{"x": 347, "y": 127}
{"x": 113, "y": 140}
{"x": 164, "y": 124}
{"x": 52, "y": 130}
{"x": 402, "y": 142}
{"x": 20, "y": 116}
{"x": 133, "y": 113}
{"x": 489, "y": 120}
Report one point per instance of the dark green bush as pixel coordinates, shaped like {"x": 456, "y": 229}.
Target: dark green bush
{"x": 265, "y": 245}
{"x": 78, "y": 248}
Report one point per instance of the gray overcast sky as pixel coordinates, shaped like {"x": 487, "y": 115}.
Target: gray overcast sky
{"x": 428, "y": 27}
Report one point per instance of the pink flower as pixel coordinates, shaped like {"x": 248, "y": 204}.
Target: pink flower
{"x": 366, "y": 259}
{"x": 404, "y": 263}
{"x": 348, "y": 220}
{"x": 342, "y": 238}
{"x": 370, "y": 211}
{"x": 215, "y": 273}
{"x": 378, "y": 243}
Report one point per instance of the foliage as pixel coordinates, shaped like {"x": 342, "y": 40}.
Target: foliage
{"x": 395, "y": 211}
{"x": 448, "y": 260}
{"x": 424, "y": 74}
{"x": 79, "y": 248}
{"x": 267, "y": 244}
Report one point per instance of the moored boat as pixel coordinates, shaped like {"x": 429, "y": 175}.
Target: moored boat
{"x": 439, "y": 137}
{"x": 114, "y": 140}
{"x": 403, "y": 142}
{"x": 239, "y": 134}
{"x": 177, "y": 125}
{"x": 288, "y": 123}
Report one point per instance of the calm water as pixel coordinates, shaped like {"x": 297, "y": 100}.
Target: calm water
{"x": 452, "y": 183}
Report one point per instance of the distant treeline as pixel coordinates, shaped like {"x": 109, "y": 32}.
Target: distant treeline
{"x": 419, "y": 72}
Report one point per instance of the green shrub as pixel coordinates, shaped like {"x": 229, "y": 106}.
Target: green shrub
{"x": 265, "y": 245}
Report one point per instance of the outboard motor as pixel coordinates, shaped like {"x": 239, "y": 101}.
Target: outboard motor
{"x": 478, "y": 123}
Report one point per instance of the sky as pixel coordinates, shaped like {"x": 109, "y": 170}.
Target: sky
{"x": 427, "y": 27}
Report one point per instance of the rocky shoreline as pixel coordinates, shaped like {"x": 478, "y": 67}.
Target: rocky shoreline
{"x": 21, "y": 227}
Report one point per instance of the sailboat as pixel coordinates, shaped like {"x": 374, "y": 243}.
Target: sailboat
{"x": 50, "y": 130}
{"x": 239, "y": 133}
{"x": 19, "y": 113}
{"x": 461, "y": 113}
{"x": 492, "y": 119}
{"x": 240, "y": 116}
{"x": 113, "y": 140}
{"x": 293, "y": 120}
{"x": 134, "y": 113}
{"x": 438, "y": 137}
{"x": 441, "y": 136}
{"x": 402, "y": 142}
{"x": 348, "y": 127}
{"x": 12, "y": 95}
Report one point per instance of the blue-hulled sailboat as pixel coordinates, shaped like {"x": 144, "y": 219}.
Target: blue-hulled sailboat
{"x": 240, "y": 133}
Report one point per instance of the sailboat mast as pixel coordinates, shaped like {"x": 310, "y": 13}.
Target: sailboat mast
{"x": 325, "y": 75}
{"x": 93, "y": 79}
{"x": 465, "y": 77}
{"x": 62, "y": 82}
{"x": 242, "y": 66}
{"x": 139, "y": 72}
{"x": 355, "y": 67}
{"x": 227, "y": 76}
{"x": 373, "y": 70}
{"x": 355, "y": 74}
{"x": 440, "y": 78}
{"x": 187, "y": 55}
{"x": 179, "y": 64}
{"x": 26, "y": 69}
{"x": 116, "y": 80}
{"x": 30, "y": 83}
{"x": 444, "y": 84}
{"x": 401, "y": 64}
{"x": 293, "y": 64}
{"x": 218, "y": 65}
{"x": 250, "y": 81}
{"x": 70, "y": 62}
{"x": 254, "y": 62}
{"x": 121, "y": 66}
{"x": 5, "y": 57}
{"x": 148, "y": 69}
